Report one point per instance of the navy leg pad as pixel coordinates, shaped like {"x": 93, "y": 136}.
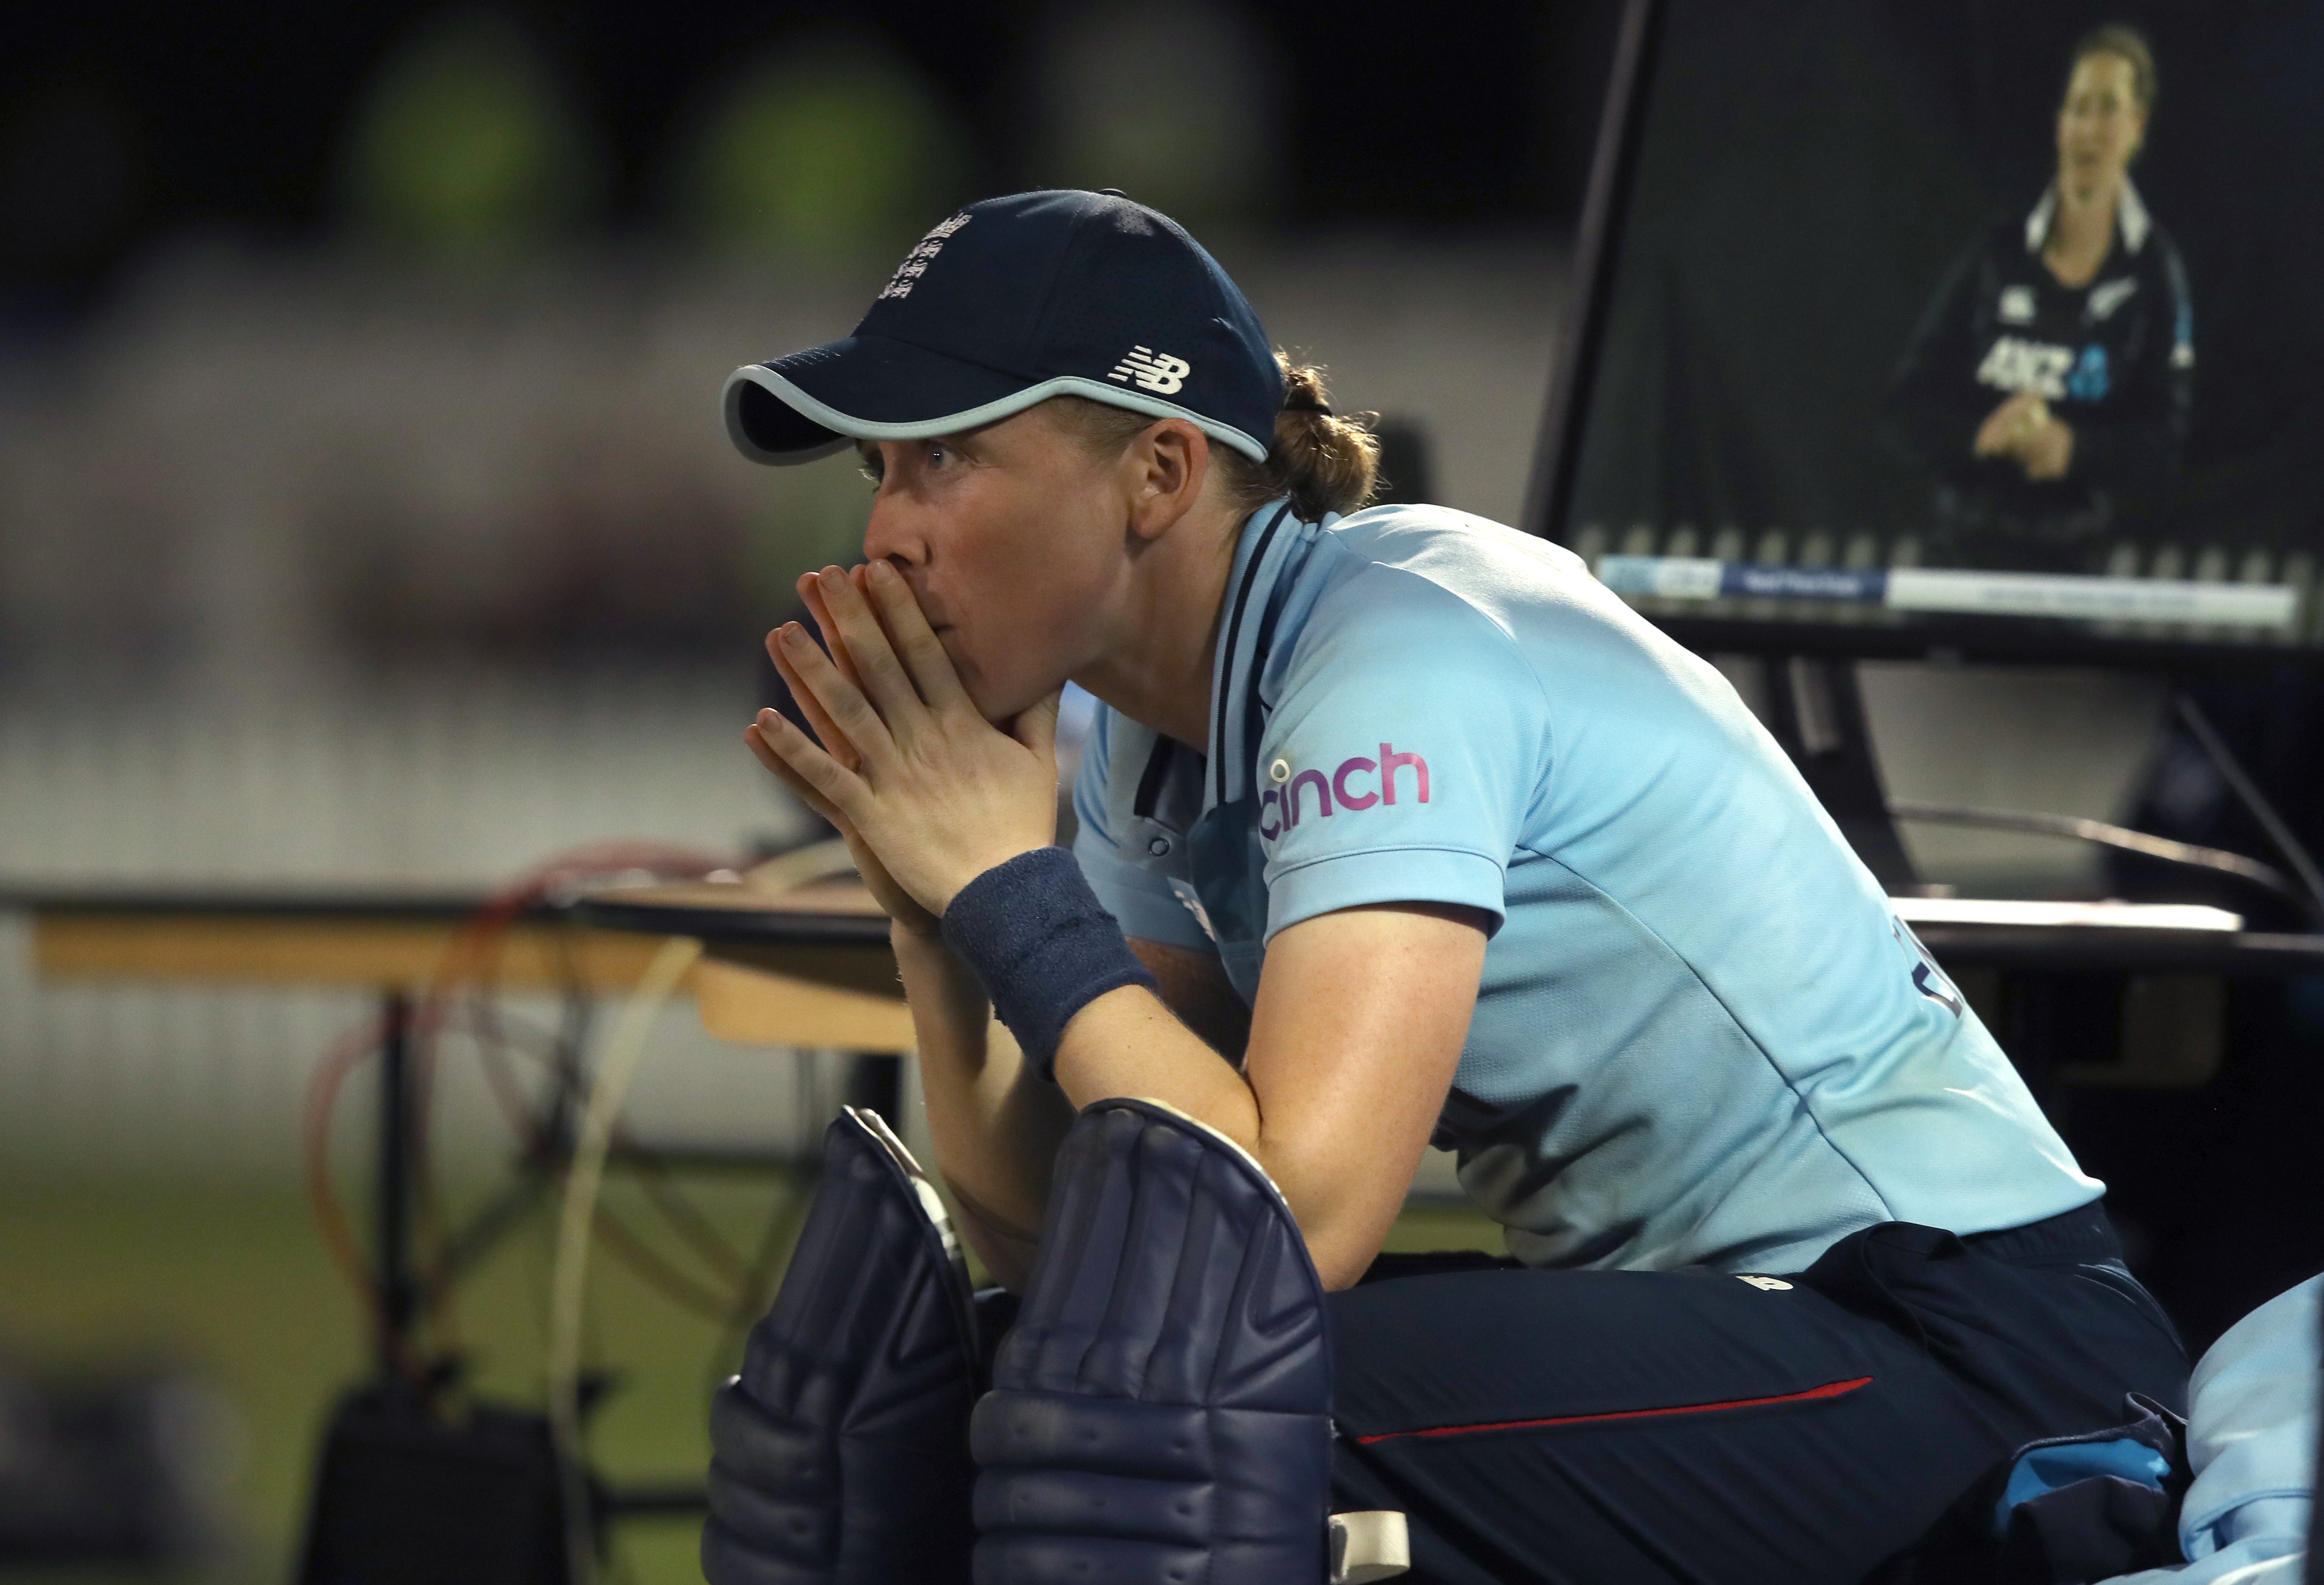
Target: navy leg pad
{"x": 841, "y": 1451}
{"x": 1161, "y": 1412}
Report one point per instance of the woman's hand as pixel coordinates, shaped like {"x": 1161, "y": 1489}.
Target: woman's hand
{"x": 2024, "y": 430}
{"x": 2006, "y": 427}
{"x": 908, "y": 768}
{"x": 2047, "y": 451}
{"x": 903, "y": 912}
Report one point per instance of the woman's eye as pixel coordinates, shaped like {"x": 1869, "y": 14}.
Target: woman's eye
{"x": 938, "y": 456}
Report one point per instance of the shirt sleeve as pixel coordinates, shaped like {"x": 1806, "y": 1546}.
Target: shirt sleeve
{"x": 2134, "y": 448}
{"x": 1403, "y": 755}
{"x": 1138, "y": 895}
{"x": 1934, "y": 406}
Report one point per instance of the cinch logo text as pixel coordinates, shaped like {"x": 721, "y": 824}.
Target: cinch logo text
{"x": 1281, "y": 809}
{"x": 1153, "y": 371}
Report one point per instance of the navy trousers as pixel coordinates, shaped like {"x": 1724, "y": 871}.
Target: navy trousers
{"x": 1585, "y": 1428}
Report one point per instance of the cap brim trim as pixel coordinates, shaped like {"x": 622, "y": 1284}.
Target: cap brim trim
{"x": 847, "y": 428}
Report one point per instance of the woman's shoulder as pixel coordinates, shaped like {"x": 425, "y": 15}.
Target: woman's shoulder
{"x": 2160, "y": 256}
{"x": 1427, "y": 567}
{"x": 1397, "y": 593}
{"x": 1392, "y": 548}
{"x": 1418, "y": 569}
{"x": 1407, "y": 525}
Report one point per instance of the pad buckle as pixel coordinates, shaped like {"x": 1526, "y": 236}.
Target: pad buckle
{"x": 1373, "y": 1544}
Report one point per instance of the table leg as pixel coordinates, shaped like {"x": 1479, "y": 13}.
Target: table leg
{"x": 397, "y": 1170}
{"x": 876, "y": 1083}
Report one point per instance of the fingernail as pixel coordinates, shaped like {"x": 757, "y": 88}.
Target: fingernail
{"x": 883, "y": 572}
{"x": 832, "y": 577}
{"x": 793, "y": 636}
{"x": 766, "y": 717}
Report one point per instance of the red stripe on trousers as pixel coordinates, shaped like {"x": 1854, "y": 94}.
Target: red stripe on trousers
{"x": 1830, "y": 1389}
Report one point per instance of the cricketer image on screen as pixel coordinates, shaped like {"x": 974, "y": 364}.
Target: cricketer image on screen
{"x": 1968, "y": 313}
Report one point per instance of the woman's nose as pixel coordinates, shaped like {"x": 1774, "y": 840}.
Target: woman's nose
{"x": 891, "y": 536}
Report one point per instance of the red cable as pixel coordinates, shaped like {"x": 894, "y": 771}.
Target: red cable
{"x": 470, "y": 956}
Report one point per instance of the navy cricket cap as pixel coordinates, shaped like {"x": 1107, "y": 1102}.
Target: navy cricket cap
{"x": 1010, "y": 302}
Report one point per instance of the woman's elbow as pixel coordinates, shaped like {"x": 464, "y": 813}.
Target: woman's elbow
{"x": 1343, "y": 1217}
{"x": 1342, "y": 1253}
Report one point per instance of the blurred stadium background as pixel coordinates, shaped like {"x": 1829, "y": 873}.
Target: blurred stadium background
{"x": 365, "y": 517}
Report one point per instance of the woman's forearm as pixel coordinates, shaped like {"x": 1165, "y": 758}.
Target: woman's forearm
{"x": 995, "y": 1126}
{"x": 1360, "y": 1024}
{"x": 1129, "y": 1043}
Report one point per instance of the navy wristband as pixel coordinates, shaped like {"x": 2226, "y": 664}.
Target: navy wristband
{"x": 1043, "y": 945}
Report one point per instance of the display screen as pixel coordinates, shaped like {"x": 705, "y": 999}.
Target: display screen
{"x": 1973, "y": 318}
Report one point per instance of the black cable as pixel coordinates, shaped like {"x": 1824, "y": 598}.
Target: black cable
{"x": 628, "y": 1246}
{"x": 2287, "y": 845}
{"x": 559, "y": 1052}
{"x": 683, "y": 1216}
{"x": 545, "y": 1128}
{"x": 2216, "y": 860}
{"x": 675, "y": 1206}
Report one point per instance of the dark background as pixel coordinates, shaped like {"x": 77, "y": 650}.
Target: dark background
{"x": 211, "y": 174}
{"x": 122, "y": 122}
{"x": 1810, "y": 170}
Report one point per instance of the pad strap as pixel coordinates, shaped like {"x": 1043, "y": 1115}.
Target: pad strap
{"x": 1043, "y": 946}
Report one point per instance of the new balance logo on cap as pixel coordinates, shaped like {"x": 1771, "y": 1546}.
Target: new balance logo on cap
{"x": 915, "y": 263}
{"x": 1153, "y": 371}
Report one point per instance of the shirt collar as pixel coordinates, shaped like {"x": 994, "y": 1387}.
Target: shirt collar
{"x": 1269, "y": 539}
{"x": 2130, "y": 215}
{"x": 2130, "y": 218}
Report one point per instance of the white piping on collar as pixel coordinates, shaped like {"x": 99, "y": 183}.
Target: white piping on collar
{"x": 1252, "y": 588}
{"x": 2130, "y": 218}
{"x": 2130, "y": 214}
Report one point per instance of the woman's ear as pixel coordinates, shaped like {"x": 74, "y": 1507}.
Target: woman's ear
{"x": 1167, "y": 466}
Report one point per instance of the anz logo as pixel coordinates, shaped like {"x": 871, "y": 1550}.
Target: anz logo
{"x": 2054, "y": 374}
{"x": 2014, "y": 364}
{"x": 1279, "y": 808}
{"x": 1157, "y": 372}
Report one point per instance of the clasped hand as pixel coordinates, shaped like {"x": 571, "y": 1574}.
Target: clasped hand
{"x": 2024, "y": 430}
{"x": 926, "y": 792}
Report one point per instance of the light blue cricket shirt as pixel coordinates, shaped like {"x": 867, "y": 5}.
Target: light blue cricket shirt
{"x": 1702, "y": 1037}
